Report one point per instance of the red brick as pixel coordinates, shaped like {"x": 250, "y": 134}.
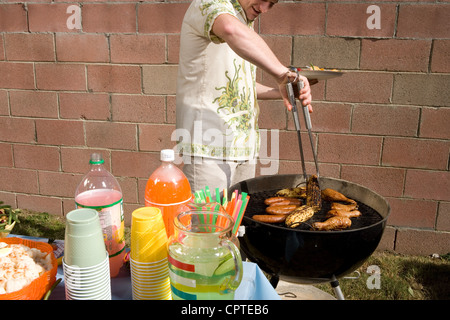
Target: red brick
{"x": 422, "y": 242}
{"x": 138, "y": 108}
{"x": 134, "y": 164}
{"x": 443, "y": 219}
{"x": 350, "y": 19}
{"x": 415, "y": 153}
{"x": 51, "y": 76}
{"x": 294, "y": 18}
{"x": 281, "y": 47}
{"x": 109, "y": 17}
{"x": 327, "y": 117}
{"x": 6, "y": 155}
{"x": 17, "y": 130}
{"x": 412, "y": 213}
{"x": 36, "y": 157}
{"x": 327, "y": 52}
{"x": 113, "y": 78}
{"x": 34, "y": 104}
{"x": 60, "y": 132}
{"x": 159, "y": 79}
{"x": 16, "y": 75}
{"x": 58, "y": 184}
{"x": 349, "y": 149}
{"x": 156, "y": 137}
{"x": 289, "y": 147}
{"x": 395, "y": 55}
{"x": 171, "y": 109}
{"x": 434, "y": 123}
{"x": 89, "y": 106}
{"x": 2, "y": 49}
{"x": 439, "y": 59}
{"x": 111, "y": 135}
{"x": 131, "y": 48}
{"x": 272, "y": 114}
{"x": 385, "y": 181}
{"x": 8, "y": 198}
{"x": 387, "y": 242}
{"x": 19, "y": 180}
{"x": 13, "y": 17}
{"x": 421, "y": 89}
{"x": 4, "y": 108}
{"x": 74, "y": 160}
{"x": 434, "y": 185}
{"x": 82, "y": 47}
{"x": 173, "y": 48}
{"x": 153, "y": 17}
{"x": 29, "y": 47}
{"x": 40, "y": 203}
{"x": 423, "y": 21}
{"x": 367, "y": 87}
{"x": 386, "y": 120}
{"x": 48, "y": 17}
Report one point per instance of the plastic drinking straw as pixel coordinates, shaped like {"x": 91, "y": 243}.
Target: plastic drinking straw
{"x": 208, "y": 194}
{"x": 217, "y": 195}
{"x": 225, "y": 198}
{"x": 238, "y": 220}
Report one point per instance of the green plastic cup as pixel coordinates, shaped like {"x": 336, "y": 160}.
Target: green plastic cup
{"x": 83, "y": 243}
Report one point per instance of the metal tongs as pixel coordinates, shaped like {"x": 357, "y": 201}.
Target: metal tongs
{"x": 290, "y": 91}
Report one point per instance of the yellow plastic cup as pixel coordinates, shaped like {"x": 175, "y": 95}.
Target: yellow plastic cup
{"x": 148, "y": 235}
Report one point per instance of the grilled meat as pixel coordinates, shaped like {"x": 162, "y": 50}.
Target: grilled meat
{"x": 270, "y": 218}
{"x": 282, "y": 201}
{"x": 345, "y": 207}
{"x": 287, "y": 209}
{"x": 333, "y": 223}
{"x": 332, "y": 195}
{"x": 299, "y": 215}
{"x": 343, "y": 213}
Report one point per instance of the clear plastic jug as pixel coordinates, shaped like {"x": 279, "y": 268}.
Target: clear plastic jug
{"x": 204, "y": 262}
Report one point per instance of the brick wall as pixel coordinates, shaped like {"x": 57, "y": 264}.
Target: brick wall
{"x": 106, "y": 82}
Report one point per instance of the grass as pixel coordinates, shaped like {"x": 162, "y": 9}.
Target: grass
{"x": 401, "y": 277}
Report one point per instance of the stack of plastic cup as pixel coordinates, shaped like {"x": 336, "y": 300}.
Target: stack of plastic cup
{"x": 86, "y": 261}
{"x": 148, "y": 256}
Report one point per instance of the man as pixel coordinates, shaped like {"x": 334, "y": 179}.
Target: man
{"x": 217, "y": 108}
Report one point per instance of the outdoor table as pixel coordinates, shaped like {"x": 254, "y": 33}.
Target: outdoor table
{"x": 254, "y": 285}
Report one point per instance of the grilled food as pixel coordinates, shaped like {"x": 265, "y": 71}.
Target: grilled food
{"x": 270, "y": 218}
{"x": 333, "y": 223}
{"x": 297, "y": 192}
{"x": 333, "y": 195}
{"x": 287, "y": 209}
{"x": 299, "y": 215}
{"x": 282, "y": 201}
{"x": 313, "y": 194}
{"x": 345, "y": 207}
{"x": 343, "y": 213}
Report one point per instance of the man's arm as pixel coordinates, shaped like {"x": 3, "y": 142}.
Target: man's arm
{"x": 251, "y": 47}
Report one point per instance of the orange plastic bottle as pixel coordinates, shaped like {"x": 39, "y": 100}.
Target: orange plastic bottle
{"x": 168, "y": 189}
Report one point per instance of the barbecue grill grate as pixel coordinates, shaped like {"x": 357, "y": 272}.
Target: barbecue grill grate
{"x": 256, "y": 205}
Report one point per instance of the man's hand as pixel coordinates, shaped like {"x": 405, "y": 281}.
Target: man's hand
{"x": 304, "y": 95}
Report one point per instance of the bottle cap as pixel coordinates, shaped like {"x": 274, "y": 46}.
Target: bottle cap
{"x": 167, "y": 155}
{"x": 96, "y": 158}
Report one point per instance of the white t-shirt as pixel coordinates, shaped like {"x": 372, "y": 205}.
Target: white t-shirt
{"x": 217, "y": 109}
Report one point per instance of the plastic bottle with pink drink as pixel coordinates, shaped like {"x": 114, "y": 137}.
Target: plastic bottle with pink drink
{"x": 101, "y": 191}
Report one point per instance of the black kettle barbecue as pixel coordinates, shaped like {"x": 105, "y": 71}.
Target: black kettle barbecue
{"x": 306, "y": 256}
